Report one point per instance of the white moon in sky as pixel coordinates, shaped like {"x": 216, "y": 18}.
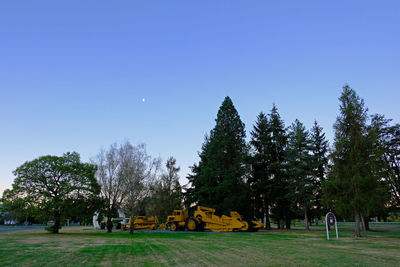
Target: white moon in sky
{"x": 143, "y": 100}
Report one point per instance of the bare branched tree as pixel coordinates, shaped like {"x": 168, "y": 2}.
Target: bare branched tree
{"x": 112, "y": 184}
{"x": 138, "y": 171}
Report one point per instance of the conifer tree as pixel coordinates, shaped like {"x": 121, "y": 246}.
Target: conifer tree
{"x": 319, "y": 163}
{"x": 219, "y": 181}
{"x": 260, "y": 180}
{"x": 354, "y": 184}
{"x": 301, "y": 184}
{"x": 281, "y": 208}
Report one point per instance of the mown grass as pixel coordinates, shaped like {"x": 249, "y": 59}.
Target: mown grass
{"x": 79, "y": 246}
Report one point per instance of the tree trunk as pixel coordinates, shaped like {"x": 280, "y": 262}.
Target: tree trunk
{"x": 357, "y": 225}
{"x": 57, "y": 223}
{"x": 132, "y": 225}
{"x": 267, "y": 221}
{"x": 306, "y": 220}
{"x": 109, "y": 224}
{"x": 288, "y": 222}
{"x": 362, "y": 222}
{"x": 279, "y": 223}
{"x": 365, "y": 222}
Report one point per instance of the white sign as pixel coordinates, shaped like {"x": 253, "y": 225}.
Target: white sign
{"x": 330, "y": 219}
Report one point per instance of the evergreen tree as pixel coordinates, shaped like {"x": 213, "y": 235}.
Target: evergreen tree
{"x": 260, "y": 180}
{"x": 355, "y": 182}
{"x": 389, "y": 139}
{"x": 319, "y": 163}
{"x": 218, "y": 180}
{"x": 301, "y": 184}
{"x": 277, "y": 169}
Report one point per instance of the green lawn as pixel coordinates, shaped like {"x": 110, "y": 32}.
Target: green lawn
{"x": 77, "y": 246}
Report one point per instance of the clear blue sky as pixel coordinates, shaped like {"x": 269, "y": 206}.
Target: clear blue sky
{"x": 73, "y": 73}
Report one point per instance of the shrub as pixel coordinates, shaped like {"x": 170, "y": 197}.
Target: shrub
{"x": 50, "y": 228}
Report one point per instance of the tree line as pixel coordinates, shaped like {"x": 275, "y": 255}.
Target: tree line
{"x": 285, "y": 173}
{"x": 123, "y": 177}
{"x": 282, "y": 173}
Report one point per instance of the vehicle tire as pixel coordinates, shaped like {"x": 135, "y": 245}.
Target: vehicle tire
{"x": 245, "y": 227}
{"x": 173, "y": 227}
{"x": 250, "y": 228}
{"x": 191, "y": 224}
{"x": 201, "y": 225}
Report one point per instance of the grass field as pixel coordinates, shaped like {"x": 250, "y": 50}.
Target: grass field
{"x": 78, "y": 246}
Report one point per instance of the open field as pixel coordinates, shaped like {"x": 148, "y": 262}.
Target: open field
{"x": 78, "y": 246}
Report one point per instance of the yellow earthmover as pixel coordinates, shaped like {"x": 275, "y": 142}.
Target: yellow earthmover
{"x": 204, "y": 218}
{"x": 177, "y": 221}
{"x": 141, "y": 223}
{"x": 252, "y": 226}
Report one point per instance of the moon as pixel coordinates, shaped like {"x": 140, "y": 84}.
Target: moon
{"x": 143, "y": 100}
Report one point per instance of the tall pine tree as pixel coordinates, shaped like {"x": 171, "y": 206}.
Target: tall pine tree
{"x": 354, "y": 184}
{"x": 319, "y": 164}
{"x": 219, "y": 180}
{"x": 260, "y": 180}
{"x": 300, "y": 180}
{"x": 281, "y": 208}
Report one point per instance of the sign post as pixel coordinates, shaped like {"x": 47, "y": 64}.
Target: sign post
{"x": 330, "y": 219}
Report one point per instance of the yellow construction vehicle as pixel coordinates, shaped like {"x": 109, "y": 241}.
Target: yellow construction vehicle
{"x": 250, "y": 225}
{"x": 204, "y": 218}
{"x": 141, "y": 223}
{"x": 177, "y": 221}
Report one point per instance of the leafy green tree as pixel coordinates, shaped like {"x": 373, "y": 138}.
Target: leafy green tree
{"x": 301, "y": 182}
{"x": 319, "y": 164}
{"x": 219, "y": 180}
{"x": 15, "y": 207}
{"x": 260, "y": 179}
{"x": 55, "y": 185}
{"x": 355, "y": 184}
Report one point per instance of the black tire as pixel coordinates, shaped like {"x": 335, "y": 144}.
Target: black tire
{"x": 201, "y": 224}
{"x": 173, "y": 227}
{"x": 251, "y": 228}
{"x": 201, "y": 227}
{"x": 192, "y": 225}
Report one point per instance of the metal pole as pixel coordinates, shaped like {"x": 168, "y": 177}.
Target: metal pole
{"x": 337, "y": 235}
{"x": 326, "y": 223}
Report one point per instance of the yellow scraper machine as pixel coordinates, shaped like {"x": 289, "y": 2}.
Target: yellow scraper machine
{"x": 204, "y": 218}
{"x": 141, "y": 223}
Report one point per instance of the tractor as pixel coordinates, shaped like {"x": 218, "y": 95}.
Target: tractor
{"x": 177, "y": 221}
{"x": 141, "y": 223}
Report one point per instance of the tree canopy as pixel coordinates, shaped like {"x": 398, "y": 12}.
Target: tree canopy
{"x": 219, "y": 180}
{"x": 56, "y": 187}
{"x": 354, "y": 184}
